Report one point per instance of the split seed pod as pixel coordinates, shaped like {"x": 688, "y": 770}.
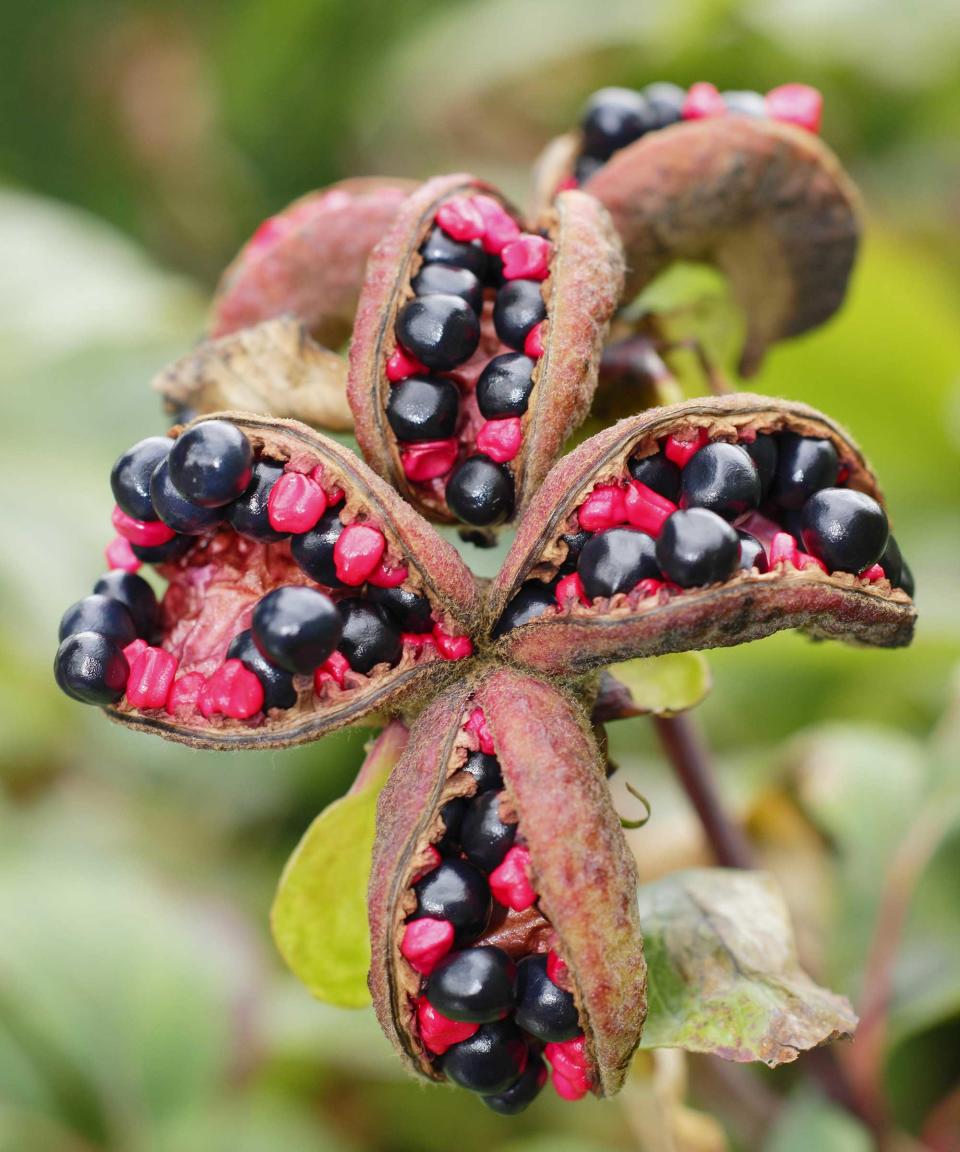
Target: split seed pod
{"x": 548, "y": 618}
{"x": 541, "y": 298}
{"x": 767, "y": 203}
{"x": 580, "y": 897}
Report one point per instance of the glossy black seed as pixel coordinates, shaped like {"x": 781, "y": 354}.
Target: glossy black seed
{"x": 439, "y": 248}
{"x": 102, "y": 614}
{"x": 522, "y": 1094}
{"x": 211, "y": 463}
{"x": 745, "y": 104}
{"x": 752, "y": 554}
{"x": 485, "y": 769}
{"x": 458, "y": 892}
{"x": 658, "y": 473}
{"x": 544, "y": 1009}
{"x": 249, "y": 514}
{"x": 906, "y": 579}
{"x": 448, "y": 280}
{"x": 505, "y": 385}
{"x": 575, "y": 542}
{"x": 163, "y": 553}
{"x": 475, "y": 986}
{"x": 91, "y": 668}
{"x": 441, "y": 331}
{"x": 277, "y": 684}
{"x": 490, "y": 1062}
{"x": 665, "y": 102}
{"x": 484, "y": 837}
{"x": 763, "y": 452}
{"x": 586, "y": 166}
{"x": 130, "y": 476}
{"x": 612, "y": 119}
{"x": 533, "y": 599}
{"x": 423, "y": 408}
{"x": 723, "y": 478}
{"x": 518, "y": 307}
{"x": 804, "y": 466}
{"x": 452, "y": 815}
{"x": 313, "y": 550}
{"x": 480, "y": 491}
{"x": 296, "y": 627}
{"x": 175, "y": 510}
{"x": 369, "y": 635}
{"x": 697, "y": 547}
{"x": 847, "y": 530}
{"x": 411, "y": 613}
{"x": 134, "y": 592}
{"x": 616, "y": 560}
{"x": 895, "y": 567}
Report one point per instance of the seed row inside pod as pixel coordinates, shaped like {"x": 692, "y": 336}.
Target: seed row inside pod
{"x": 286, "y": 589}
{"x": 494, "y": 995}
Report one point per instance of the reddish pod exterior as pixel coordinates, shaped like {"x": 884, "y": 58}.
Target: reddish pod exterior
{"x": 565, "y": 896}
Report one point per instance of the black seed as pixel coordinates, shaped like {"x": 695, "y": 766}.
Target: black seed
{"x": 91, "y": 668}
{"x": 763, "y": 452}
{"x": 441, "y": 331}
{"x": 130, "y": 476}
{"x": 369, "y": 635}
{"x": 277, "y": 684}
{"x": 101, "y": 614}
{"x": 519, "y": 306}
{"x": 544, "y": 1009}
{"x": 522, "y": 1094}
{"x": 485, "y": 769}
{"x": 452, "y": 814}
{"x": 906, "y": 580}
{"x": 175, "y": 510}
{"x": 575, "y": 542}
{"x": 895, "y": 567}
{"x": 752, "y": 554}
{"x": 845, "y": 529}
{"x": 249, "y": 515}
{"x": 658, "y": 473}
{"x": 505, "y": 385}
{"x": 475, "y": 986}
{"x": 750, "y": 104}
{"x": 297, "y": 628}
{"x": 484, "y": 837}
{"x": 665, "y": 102}
{"x": 697, "y": 547}
{"x": 313, "y": 550}
{"x": 439, "y": 248}
{"x": 723, "y": 478}
{"x": 533, "y": 600}
{"x": 612, "y": 119}
{"x": 490, "y": 1062}
{"x": 411, "y": 613}
{"x": 616, "y": 560}
{"x": 458, "y": 892}
{"x": 163, "y": 553}
{"x": 480, "y": 491}
{"x": 804, "y": 466}
{"x": 423, "y": 408}
{"x": 139, "y": 598}
{"x": 448, "y": 280}
{"x": 586, "y": 166}
{"x": 210, "y": 464}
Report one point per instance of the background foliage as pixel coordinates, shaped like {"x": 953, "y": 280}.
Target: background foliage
{"x": 142, "y": 1008}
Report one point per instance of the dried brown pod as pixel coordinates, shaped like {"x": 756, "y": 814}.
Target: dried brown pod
{"x": 537, "y": 305}
{"x": 309, "y": 260}
{"x": 552, "y": 795}
{"x": 766, "y": 202}
{"x": 562, "y": 608}
{"x": 417, "y": 600}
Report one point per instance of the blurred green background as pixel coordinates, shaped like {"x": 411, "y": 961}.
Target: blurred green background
{"x": 142, "y": 1008}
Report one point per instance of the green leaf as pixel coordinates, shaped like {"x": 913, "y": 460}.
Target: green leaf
{"x": 723, "y": 972}
{"x": 807, "y": 1121}
{"x": 665, "y": 685}
{"x": 319, "y": 916}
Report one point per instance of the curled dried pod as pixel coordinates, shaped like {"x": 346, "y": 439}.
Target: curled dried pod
{"x": 301, "y": 593}
{"x": 309, "y": 260}
{"x": 699, "y": 525}
{"x": 503, "y": 916}
{"x": 476, "y": 345}
{"x": 764, "y": 201}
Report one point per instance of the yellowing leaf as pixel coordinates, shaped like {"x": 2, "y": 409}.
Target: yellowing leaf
{"x": 665, "y": 685}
